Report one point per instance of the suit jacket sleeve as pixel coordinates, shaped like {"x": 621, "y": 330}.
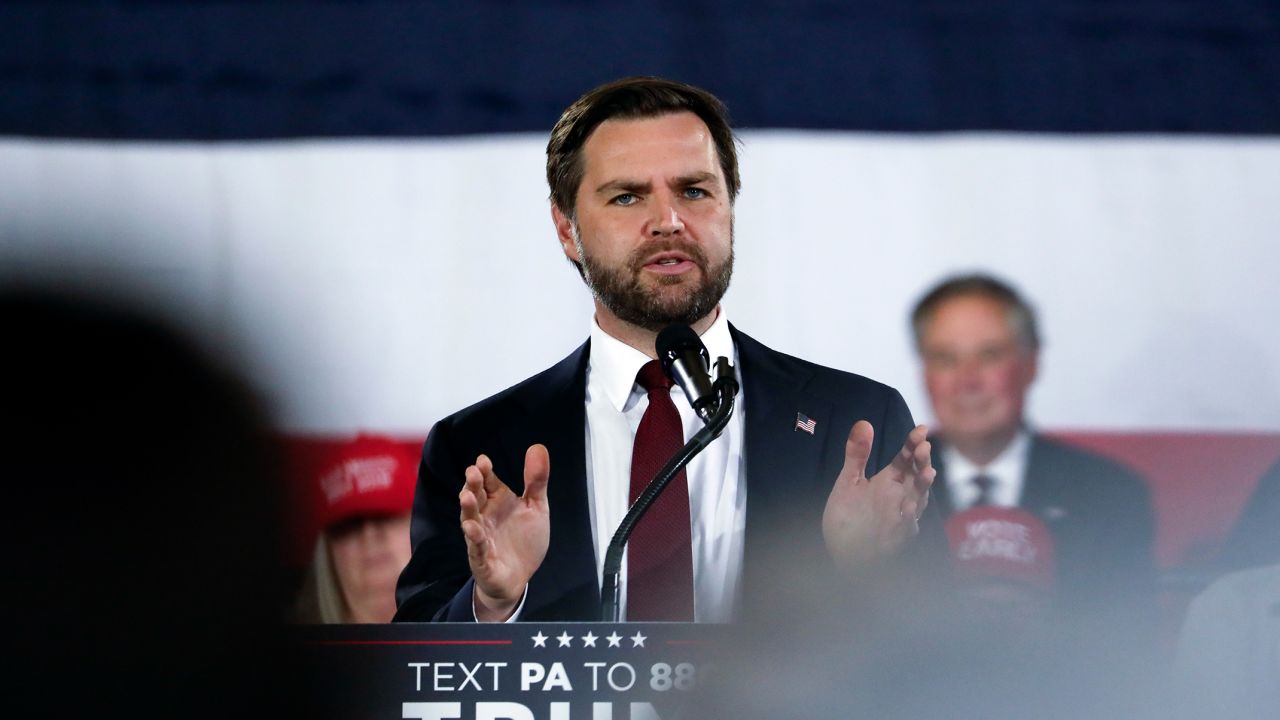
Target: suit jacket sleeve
{"x": 547, "y": 409}
{"x": 436, "y": 584}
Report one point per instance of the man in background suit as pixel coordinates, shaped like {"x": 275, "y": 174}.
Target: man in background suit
{"x": 643, "y": 175}
{"x": 978, "y": 342}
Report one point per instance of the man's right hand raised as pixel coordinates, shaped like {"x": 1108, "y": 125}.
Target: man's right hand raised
{"x": 507, "y": 535}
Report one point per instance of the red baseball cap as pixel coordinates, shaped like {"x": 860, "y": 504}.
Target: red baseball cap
{"x": 370, "y": 475}
{"x": 996, "y": 543}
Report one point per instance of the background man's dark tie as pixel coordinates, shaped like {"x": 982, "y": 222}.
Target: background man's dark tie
{"x": 984, "y": 484}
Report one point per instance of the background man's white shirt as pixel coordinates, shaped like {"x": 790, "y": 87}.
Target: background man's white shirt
{"x": 1007, "y": 472}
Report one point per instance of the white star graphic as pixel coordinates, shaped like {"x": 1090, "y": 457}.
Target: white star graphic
{"x": 565, "y": 639}
{"x": 589, "y": 640}
{"x": 539, "y": 640}
{"x": 637, "y": 640}
{"x": 615, "y": 640}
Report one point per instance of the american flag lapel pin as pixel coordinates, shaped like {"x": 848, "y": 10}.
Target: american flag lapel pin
{"x": 805, "y": 423}
{"x": 1053, "y": 512}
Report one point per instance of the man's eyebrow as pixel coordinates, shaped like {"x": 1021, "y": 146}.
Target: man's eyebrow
{"x": 694, "y": 179}
{"x": 630, "y": 186}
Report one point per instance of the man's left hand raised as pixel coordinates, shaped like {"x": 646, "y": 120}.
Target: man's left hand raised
{"x": 869, "y": 519}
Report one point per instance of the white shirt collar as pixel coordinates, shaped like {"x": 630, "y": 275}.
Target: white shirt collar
{"x": 1006, "y": 472}
{"x": 614, "y": 364}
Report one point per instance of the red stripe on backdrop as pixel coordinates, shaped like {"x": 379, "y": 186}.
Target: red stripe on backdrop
{"x": 1199, "y": 483}
{"x": 410, "y": 642}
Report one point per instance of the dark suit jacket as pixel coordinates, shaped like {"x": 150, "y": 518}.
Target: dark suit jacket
{"x": 789, "y": 475}
{"x": 1099, "y": 517}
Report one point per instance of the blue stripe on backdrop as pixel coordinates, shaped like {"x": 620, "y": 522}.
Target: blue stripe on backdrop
{"x": 249, "y": 70}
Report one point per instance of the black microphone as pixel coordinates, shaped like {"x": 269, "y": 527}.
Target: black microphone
{"x": 685, "y": 360}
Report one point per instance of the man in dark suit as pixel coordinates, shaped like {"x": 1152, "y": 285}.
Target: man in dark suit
{"x": 979, "y": 345}
{"x": 643, "y": 175}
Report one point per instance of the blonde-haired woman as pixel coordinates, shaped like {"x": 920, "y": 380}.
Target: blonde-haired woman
{"x": 364, "y": 497}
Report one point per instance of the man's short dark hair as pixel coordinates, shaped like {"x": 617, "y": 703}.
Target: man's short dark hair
{"x": 631, "y": 98}
{"x": 1022, "y": 317}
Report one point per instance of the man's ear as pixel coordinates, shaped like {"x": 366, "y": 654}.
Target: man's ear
{"x": 564, "y": 231}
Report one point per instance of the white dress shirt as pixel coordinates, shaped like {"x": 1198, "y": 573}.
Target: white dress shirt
{"x": 1007, "y": 472}
{"x": 717, "y": 480}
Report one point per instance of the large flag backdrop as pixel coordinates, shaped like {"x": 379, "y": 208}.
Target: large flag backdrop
{"x": 350, "y": 196}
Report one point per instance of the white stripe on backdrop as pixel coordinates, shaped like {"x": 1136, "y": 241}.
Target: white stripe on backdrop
{"x": 383, "y": 284}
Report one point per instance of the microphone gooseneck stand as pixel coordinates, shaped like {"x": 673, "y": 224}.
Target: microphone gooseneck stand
{"x": 726, "y": 387}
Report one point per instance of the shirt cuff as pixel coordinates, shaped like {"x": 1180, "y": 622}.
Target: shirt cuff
{"x": 515, "y": 616}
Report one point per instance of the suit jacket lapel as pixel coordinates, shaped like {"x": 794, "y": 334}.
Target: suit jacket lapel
{"x": 557, "y": 415}
{"x": 778, "y": 455}
{"x": 1043, "y": 486}
{"x": 940, "y": 493}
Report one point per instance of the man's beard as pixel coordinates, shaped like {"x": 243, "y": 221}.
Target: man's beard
{"x": 621, "y": 291}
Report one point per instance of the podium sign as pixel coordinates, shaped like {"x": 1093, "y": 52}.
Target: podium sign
{"x": 519, "y": 671}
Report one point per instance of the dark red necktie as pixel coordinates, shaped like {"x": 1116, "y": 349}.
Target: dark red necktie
{"x": 660, "y": 551}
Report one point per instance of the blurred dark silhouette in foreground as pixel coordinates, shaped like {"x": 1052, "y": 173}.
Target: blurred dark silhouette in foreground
{"x": 142, "y": 527}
